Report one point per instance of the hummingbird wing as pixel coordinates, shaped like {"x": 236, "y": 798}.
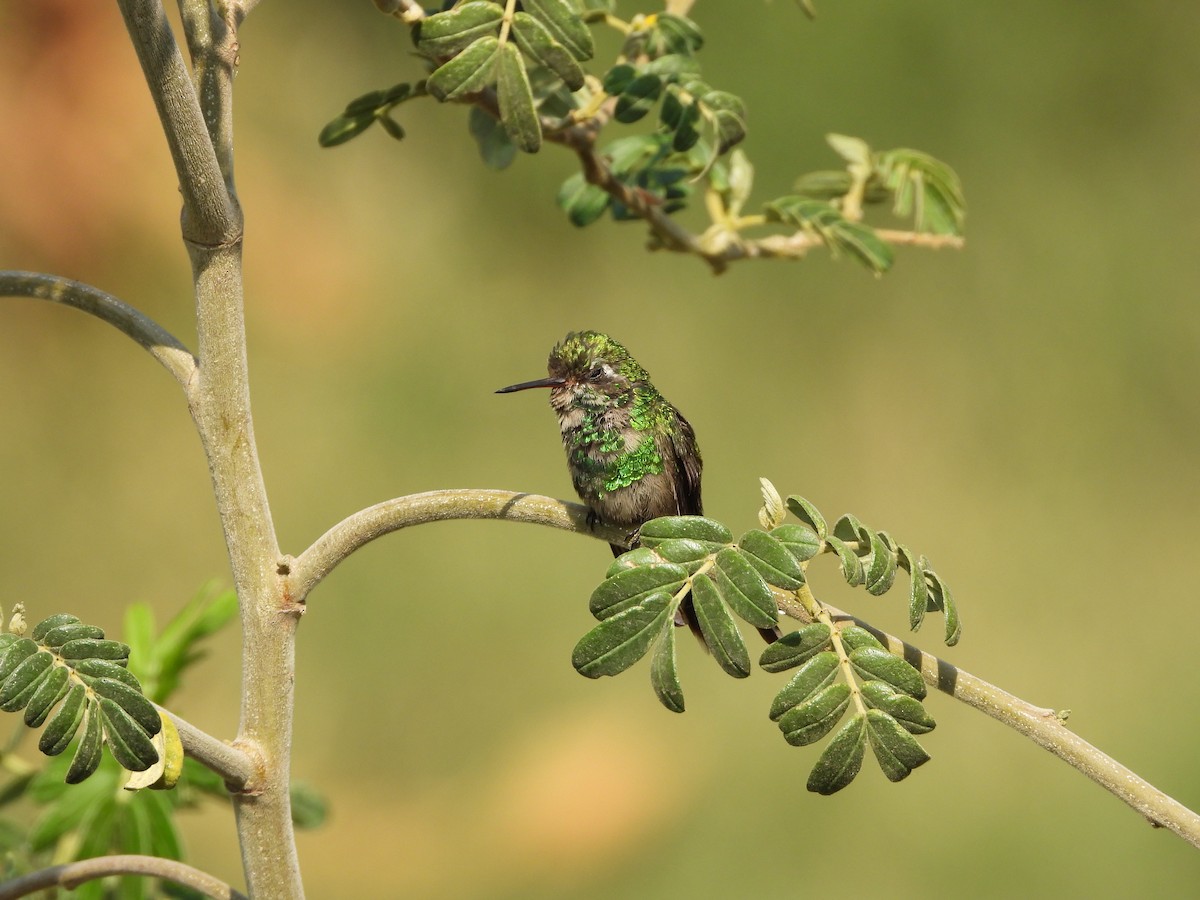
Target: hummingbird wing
{"x": 685, "y": 469}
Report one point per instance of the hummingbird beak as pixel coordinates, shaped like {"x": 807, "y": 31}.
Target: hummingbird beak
{"x": 537, "y": 383}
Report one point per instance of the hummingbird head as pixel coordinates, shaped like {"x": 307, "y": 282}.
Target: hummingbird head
{"x": 588, "y": 369}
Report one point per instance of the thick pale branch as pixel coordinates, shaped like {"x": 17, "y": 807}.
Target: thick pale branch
{"x": 163, "y": 346}
{"x": 74, "y": 874}
{"x": 310, "y": 567}
{"x": 211, "y": 217}
{"x": 211, "y": 33}
{"x": 235, "y": 766}
{"x": 1043, "y": 726}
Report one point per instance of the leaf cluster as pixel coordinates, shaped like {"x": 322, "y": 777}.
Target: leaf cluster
{"x": 522, "y": 71}
{"x": 67, "y": 676}
{"x": 690, "y": 568}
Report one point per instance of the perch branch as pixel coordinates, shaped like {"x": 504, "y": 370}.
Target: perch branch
{"x": 72, "y": 875}
{"x": 310, "y": 567}
{"x": 164, "y": 347}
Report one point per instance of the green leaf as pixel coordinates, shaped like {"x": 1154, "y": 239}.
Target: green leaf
{"x": 51, "y": 690}
{"x": 897, "y": 751}
{"x": 86, "y": 648}
{"x": 852, "y": 569}
{"x": 621, "y": 640}
{"x": 807, "y": 512}
{"x": 87, "y": 754}
{"x": 924, "y": 187}
{"x": 67, "y": 811}
{"x": 674, "y": 34}
{"x": 695, "y": 528}
{"x": 565, "y": 25}
{"x": 20, "y": 686}
{"x": 941, "y": 598}
{"x": 811, "y": 720}
{"x": 873, "y": 663}
{"x": 583, "y": 203}
{"x": 638, "y": 98}
{"x": 14, "y": 655}
{"x": 631, "y": 587}
{"x": 128, "y": 741}
{"x": 743, "y": 588}
{"x": 89, "y": 669}
{"x": 343, "y": 128}
{"x": 42, "y": 628}
{"x": 468, "y": 73}
{"x": 799, "y": 540}
{"x": 719, "y": 630}
{"x": 853, "y": 637}
{"x": 518, "y": 113}
{"x": 861, "y": 242}
{"x": 729, "y": 118}
{"x": 446, "y": 33}
{"x": 664, "y": 675}
{"x": 140, "y": 709}
{"x": 679, "y": 119}
{"x": 828, "y": 185}
{"x": 882, "y": 569}
{"x": 538, "y": 44}
{"x": 842, "y": 758}
{"x": 495, "y": 146}
{"x": 771, "y": 559}
{"x": 56, "y": 637}
{"x": 796, "y": 648}
{"x": 812, "y": 677}
{"x": 309, "y": 807}
{"x": 918, "y": 593}
{"x": 684, "y": 552}
{"x": 618, "y": 78}
{"x": 906, "y": 710}
{"x": 61, "y": 728}
{"x": 391, "y": 126}
{"x": 632, "y": 559}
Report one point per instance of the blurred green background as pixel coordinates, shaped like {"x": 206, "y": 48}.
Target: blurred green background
{"x": 1024, "y": 412}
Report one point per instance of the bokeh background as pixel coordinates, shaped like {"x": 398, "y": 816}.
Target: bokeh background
{"x": 1025, "y": 412}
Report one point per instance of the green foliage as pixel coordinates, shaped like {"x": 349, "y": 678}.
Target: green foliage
{"x": 841, "y": 676}
{"x": 86, "y": 810}
{"x": 523, "y": 73}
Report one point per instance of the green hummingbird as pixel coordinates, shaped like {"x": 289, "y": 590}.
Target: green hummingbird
{"x": 632, "y": 456}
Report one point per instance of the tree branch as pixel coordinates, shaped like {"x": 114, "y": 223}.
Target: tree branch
{"x": 210, "y": 215}
{"x": 164, "y": 347}
{"x": 237, "y": 767}
{"x": 1043, "y": 726}
{"x": 308, "y": 569}
{"x": 74, "y": 874}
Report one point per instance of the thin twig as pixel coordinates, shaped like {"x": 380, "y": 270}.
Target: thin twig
{"x": 72, "y": 875}
{"x": 308, "y": 569}
{"x": 163, "y": 346}
{"x": 232, "y": 764}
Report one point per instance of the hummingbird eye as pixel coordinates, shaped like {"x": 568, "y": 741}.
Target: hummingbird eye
{"x": 595, "y": 373}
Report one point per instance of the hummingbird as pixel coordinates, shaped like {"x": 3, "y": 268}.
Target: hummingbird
{"x": 632, "y": 455}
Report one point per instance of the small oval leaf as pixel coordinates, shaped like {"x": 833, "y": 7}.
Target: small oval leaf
{"x": 664, "y": 674}
{"x": 129, "y": 744}
{"x": 807, "y": 512}
{"x": 870, "y": 662}
{"x": 744, "y": 589}
{"x": 896, "y": 750}
{"x": 842, "y": 758}
{"x": 771, "y": 559}
{"x": 468, "y": 73}
{"x": 444, "y": 34}
{"x": 629, "y": 587}
{"x": 87, "y": 753}
{"x": 42, "y": 628}
{"x": 796, "y": 648}
{"x": 518, "y": 113}
{"x": 60, "y": 730}
{"x": 811, "y": 720}
{"x": 621, "y": 640}
{"x": 906, "y": 710}
{"x": 697, "y": 528}
{"x": 719, "y": 630}
{"x": 799, "y": 540}
{"x": 814, "y": 675}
